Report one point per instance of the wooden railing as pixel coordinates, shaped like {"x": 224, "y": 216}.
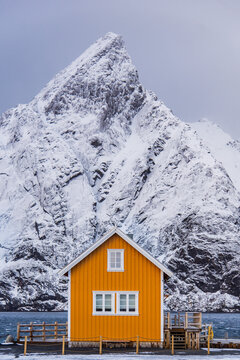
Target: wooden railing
{"x": 194, "y": 320}
{"x": 183, "y": 320}
{"x": 41, "y": 332}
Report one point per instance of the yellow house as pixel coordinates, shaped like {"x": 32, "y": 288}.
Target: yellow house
{"x": 115, "y": 292}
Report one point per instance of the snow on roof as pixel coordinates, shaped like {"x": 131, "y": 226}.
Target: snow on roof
{"x": 125, "y": 237}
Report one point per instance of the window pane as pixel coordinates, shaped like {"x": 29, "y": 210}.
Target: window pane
{"x": 112, "y": 259}
{"x": 115, "y": 260}
{"x": 108, "y": 302}
{"x": 131, "y": 300}
{"x": 99, "y": 302}
{"x": 123, "y": 302}
{"x": 118, "y": 260}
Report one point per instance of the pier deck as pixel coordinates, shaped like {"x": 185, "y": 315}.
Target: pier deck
{"x": 182, "y": 329}
{"x": 225, "y": 343}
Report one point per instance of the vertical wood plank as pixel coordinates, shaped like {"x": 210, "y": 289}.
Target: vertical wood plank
{"x": 31, "y": 331}
{"x": 25, "y": 346}
{"x": 209, "y": 340}
{"x": 18, "y": 332}
{"x": 198, "y": 341}
{"x": 44, "y": 331}
{"x": 100, "y": 345}
{"x": 137, "y": 345}
{"x": 55, "y": 330}
{"x": 186, "y": 320}
{"x": 172, "y": 345}
{"x": 63, "y": 345}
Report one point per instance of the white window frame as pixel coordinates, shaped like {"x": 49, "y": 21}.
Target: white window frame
{"x": 128, "y": 313}
{"x": 99, "y": 313}
{"x": 109, "y": 268}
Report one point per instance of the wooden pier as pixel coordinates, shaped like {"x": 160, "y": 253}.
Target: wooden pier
{"x": 42, "y": 332}
{"x": 183, "y": 329}
{"x": 225, "y": 343}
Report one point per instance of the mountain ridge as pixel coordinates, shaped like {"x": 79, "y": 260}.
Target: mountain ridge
{"x": 96, "y": 148}
{"x": 223, "y": 147}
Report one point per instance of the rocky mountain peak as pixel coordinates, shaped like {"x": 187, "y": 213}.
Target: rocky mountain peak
{"x": 102, "y": 80}
{"x": 92, "y": 148}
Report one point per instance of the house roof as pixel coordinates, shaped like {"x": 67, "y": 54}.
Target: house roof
{"x": 125, "y": 237}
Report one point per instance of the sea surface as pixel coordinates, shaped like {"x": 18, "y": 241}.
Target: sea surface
{"x": 222, "y": 322}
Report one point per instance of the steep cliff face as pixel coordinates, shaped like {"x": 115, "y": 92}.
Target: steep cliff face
{"x": 93, "y": 149}
{"x": 222, "y": 146}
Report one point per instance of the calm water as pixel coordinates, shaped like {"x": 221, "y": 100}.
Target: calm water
{"x": 8, "y": 322}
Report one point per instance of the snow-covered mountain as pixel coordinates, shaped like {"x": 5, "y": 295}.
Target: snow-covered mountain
{"x": 222, "y": 146}
{"x": 93, "y": 149}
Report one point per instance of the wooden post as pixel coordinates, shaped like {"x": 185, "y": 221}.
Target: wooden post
{"x": 25, "y": 345}
{"x": 198, "y": 340}
{"x": 31, "y": 332}
{"x": 169, "y": 320}
{"x": 100, "y": 346}
{"x": 186, "y": 320}
{"x": 200, "y": 319}
{"x": 55, "y": 329}
{"x": 63, "y": 345}
{"x": 18, "y": 332}
{"x": 209, "y": 340}
{"x": 193, "y": 341}
{"x": 172, "y": 345}
{"x": 168, "y": 339}
{"x": 137, "y": 345}
{"x": 67, "y": 329}
{"x": 43, "y": 331}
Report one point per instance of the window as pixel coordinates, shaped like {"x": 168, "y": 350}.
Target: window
{"x": 115, "y": 260}
{"x": 127, "y": 303}
{"x": 103, "y": 303}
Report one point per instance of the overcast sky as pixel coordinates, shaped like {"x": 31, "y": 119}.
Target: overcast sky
{"x": 186, "y": 51}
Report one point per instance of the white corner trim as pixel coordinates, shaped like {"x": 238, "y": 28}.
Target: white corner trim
{"x": 69, "y": 305}
{"x": 162, "y": 310}
{"x": 106, "y": 237}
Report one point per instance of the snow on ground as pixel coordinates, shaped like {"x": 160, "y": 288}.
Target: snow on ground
{"x": 122, "y": 357}
{"x": 218, "y": 350}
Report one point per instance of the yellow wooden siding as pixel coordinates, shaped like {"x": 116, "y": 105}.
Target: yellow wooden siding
{"x": 139, "y": 275}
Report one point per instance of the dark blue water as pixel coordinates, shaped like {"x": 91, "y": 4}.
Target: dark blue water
{"x": 8, "y": 322}
{"x": 223, "y": 323}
